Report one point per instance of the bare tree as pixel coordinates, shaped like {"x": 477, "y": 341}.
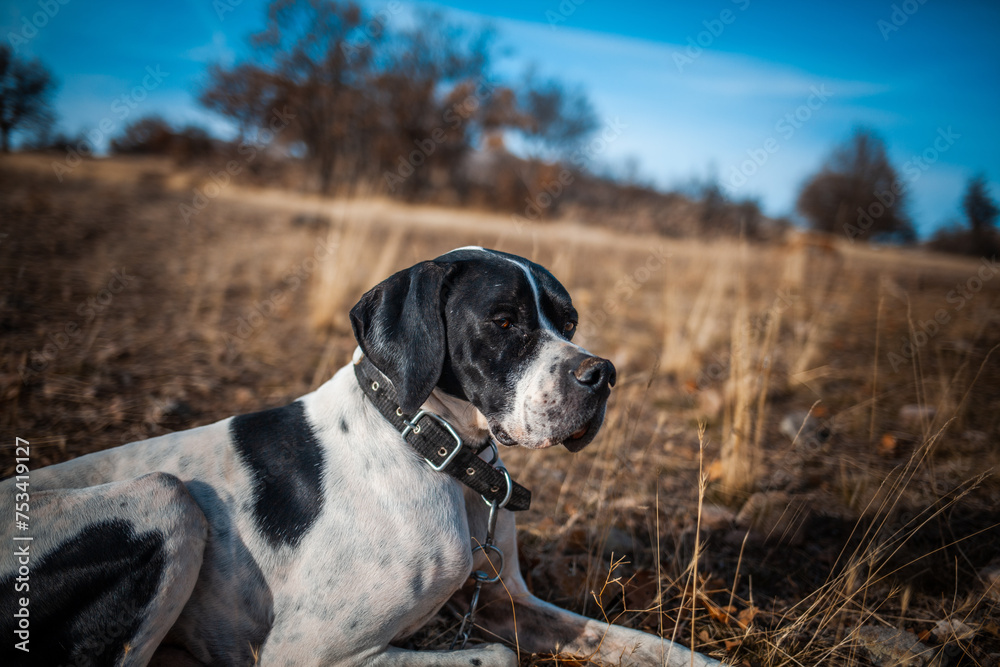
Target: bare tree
{"x": 858, "y": 193}
{"x": 26, "y": 90}
{"x": 403, "y": 103}
{"x": 244, "y": 94}
{"x": 560, "y": 117}
{"x": 151, "y": 135}
{"x": 435, "y": 95}
{"x": 305, "y": 61}
{"x": 720, "y": 216}
{"x": 980, "y": 210}
{"x": 148, "y": 135}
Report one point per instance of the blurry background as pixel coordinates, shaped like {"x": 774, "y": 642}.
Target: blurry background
{"x": 779, "y": 222}
{"x": 743, "y": 103}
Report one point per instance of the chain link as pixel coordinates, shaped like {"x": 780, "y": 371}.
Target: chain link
{"x": 468, "y": 621}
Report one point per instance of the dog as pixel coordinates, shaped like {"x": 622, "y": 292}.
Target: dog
{"x": 315, "y": 533}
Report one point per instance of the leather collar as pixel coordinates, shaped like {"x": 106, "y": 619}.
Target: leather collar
{"x": 434, "y": 439}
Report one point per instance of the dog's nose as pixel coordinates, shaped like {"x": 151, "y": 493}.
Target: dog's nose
{"x": 595, "y": 373}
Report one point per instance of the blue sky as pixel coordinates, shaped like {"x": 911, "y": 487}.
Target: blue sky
{"x": 754, "y": 93}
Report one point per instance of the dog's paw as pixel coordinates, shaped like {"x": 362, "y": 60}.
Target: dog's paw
{"x": 491, "y": 655}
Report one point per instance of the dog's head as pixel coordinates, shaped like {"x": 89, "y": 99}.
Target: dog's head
{"x": 493, "y": 329}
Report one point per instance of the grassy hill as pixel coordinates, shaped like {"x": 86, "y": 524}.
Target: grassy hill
{"x": 817, "y": 422}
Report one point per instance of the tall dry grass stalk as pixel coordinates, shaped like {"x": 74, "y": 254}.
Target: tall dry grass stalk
{"x": 752, "y": 355}
{"x": 737, "y": 456}
{"x": 690, "y": 331}
{"x": 360, "y": 256}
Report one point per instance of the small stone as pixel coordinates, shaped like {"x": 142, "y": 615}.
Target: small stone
{"x": 950, "y": 630}
{"x": 792, "y": 422}
{"x": 619, "y": 543}
{"x": 806, "y": 430}
{"x": 889, "y": 647}
{"x": 976, "y": 437}
{"x": 991, "y": 578}
{"x": 716, "y": 517}
{"x": 915, "y": 415}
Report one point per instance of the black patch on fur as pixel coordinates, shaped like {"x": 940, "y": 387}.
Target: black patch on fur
{"x": 87, "y": 597}
{"x": 476, "y": 662}
{"x": 286, "y": 463}
{"x": 417, "y": 585}
{"x": 399, "y": 325}
{"x": 253, "y": 604}
{"x": 343, "y": 425}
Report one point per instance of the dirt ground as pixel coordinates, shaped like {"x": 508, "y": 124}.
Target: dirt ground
{"x": 845, "y": 484}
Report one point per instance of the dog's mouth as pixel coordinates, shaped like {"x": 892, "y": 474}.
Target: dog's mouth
{"x": 581, "y": 437}
{"x": 573, "y": 440}
{"x": 578, "y": 439}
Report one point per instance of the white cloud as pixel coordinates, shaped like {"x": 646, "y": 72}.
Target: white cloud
{"x": 216, "y": 51}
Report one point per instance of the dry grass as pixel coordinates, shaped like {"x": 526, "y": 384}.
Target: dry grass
{"x": 764, "y": 543}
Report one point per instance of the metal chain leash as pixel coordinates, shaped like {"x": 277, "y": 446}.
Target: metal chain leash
{"x": 487, "y": 546}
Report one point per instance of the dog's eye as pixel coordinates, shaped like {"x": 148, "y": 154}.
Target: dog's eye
{"x": 569, "y": 327}
{"x": 503, "y": 322}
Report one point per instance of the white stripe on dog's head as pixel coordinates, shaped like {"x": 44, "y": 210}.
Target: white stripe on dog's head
{"x": 532, "y": 283}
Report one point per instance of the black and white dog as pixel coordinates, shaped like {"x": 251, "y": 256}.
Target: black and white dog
{"x": 314, "y": 534}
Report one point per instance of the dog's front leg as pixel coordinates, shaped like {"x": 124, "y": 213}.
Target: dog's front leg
{"x": 535, "y": 626}
{"x": 513, "y": 614}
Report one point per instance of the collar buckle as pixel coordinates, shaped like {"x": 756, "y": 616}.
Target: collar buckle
{"x": 432, "y": 440}
{"x": 413, "y": 427}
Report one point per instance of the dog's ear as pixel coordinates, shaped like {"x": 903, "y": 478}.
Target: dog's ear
{"x": 399, "y": 325}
